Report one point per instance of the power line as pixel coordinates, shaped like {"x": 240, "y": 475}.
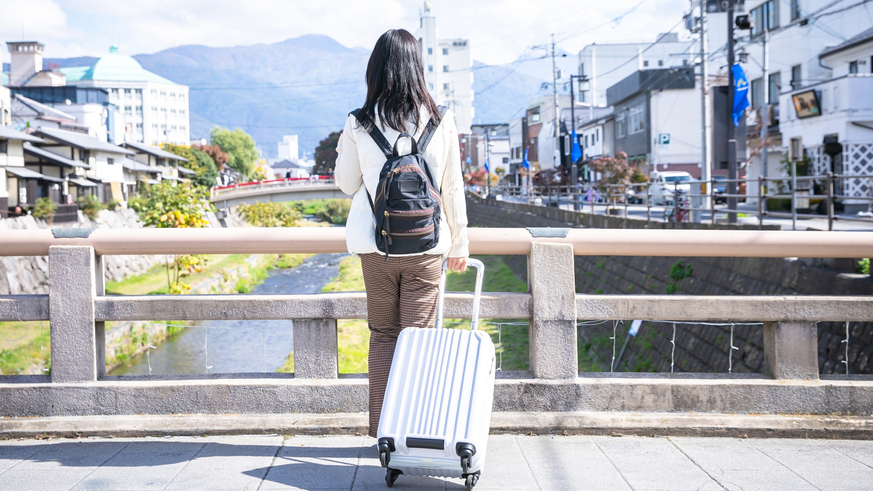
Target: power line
{"x": 632, "y": 58}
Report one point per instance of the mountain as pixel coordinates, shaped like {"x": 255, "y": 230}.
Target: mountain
{"x": 304, "y": 86}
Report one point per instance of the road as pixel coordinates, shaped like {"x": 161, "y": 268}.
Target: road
{"x": 844, "y": 222}
{"x": 513, "y": 463}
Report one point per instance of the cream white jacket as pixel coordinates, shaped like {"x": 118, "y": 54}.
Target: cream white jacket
{"x": 360, "y": 160}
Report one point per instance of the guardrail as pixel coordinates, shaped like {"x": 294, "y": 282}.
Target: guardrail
{"x": 77, "y": 309}
{"x": 272, "y": 184}
{"x": 671, "y": 204}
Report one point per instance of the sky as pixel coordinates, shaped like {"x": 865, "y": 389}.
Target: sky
{"x": 499, "y": 31}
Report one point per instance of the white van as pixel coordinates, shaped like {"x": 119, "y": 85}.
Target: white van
{"x": 666, "y": 183}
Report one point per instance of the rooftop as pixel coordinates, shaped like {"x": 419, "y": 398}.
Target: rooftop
{"x": 861, "y": 38}
{"x": 287, "y": 164}
{"x": 26, "y": 107}
{"x": 113, "y": 67}
{"x": 152, "y": 150}
{"x": 43, "y": 154}
{"x": 7, "y": 133}
{"x": 79, "y": 140}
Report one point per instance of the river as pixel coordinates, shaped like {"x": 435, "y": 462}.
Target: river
{"x": 238, "y": 346}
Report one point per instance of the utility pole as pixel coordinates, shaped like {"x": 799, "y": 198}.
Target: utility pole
{"x": 765, "y": 109}
{"x": 731, "y": 129}
{"x": 555, "y": 95}
{"x": 706, "y": 166}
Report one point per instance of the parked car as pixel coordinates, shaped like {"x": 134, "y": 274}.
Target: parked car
{"x": 665, "y": 184}
{"x": 719, "y": 189}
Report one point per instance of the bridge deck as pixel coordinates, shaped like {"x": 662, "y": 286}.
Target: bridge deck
{"x": 514, "y": 462}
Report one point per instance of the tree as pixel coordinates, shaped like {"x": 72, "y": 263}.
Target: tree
{"x": 239, "y": 146}
{"x": 614, "y": 171}
{"x": 199, "y": 162}
{"x": 207, "y": 172}
{"x": 325, "y": 155}
{"x": 218, "y": 156}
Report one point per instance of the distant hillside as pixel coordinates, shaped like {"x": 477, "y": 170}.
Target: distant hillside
{"x": 304, "y": 86}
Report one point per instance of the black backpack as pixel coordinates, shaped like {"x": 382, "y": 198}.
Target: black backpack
{"x": 407, "y": 204}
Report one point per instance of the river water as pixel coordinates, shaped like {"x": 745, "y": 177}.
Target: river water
{"x": 238, "y": 346}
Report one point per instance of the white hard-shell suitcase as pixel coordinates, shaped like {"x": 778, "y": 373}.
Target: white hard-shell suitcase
{"x": 437, "y": 409}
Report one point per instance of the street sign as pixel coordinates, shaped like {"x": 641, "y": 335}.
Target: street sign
{"x": 664, "y": 139}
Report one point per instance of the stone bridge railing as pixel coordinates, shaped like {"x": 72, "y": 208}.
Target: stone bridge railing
{"x": 77, "y": 309}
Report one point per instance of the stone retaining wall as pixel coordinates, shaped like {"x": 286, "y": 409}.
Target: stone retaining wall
{"x": 699, "y": 348}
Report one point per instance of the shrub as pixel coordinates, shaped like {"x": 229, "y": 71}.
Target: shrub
{"x": 90, "y": 205}
{"x": 335, "y": 211}
{"x": 270, "y": 215}
{"x": 44, "y": 208}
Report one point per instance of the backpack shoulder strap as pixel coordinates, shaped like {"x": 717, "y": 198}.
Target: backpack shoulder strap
{"x": 375, "y": 134}
{"x": 429, "y": 130}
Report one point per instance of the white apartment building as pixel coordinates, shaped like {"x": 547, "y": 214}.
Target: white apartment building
{"x": 816, "y": 47}
{"x": 607, "y": 64}
{"x": 447, "y": 70}
{"x": 151, "y": 108}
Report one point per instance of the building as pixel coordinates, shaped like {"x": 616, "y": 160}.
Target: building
{"x": 102, "y": 164}
{"x": 543, "y": 127}
{"x": 150, "y": 165}
{"x": 653, "y": 112}
{"x": 607, "y": 64}
{"x": 152, "y": 109}
{"x": 447, "y": 70}
{"x": 798, "y": 35}
{"x": 289, "y": 168}
{"x": 19, "y": 187}
{"x": 288, "y": 148}
{"x": 490, "y": 141}
{"x": 831, "y": 118}
{"x": 27, "y": 113}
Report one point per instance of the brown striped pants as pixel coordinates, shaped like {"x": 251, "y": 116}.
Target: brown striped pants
{"x": 401, "y": 292}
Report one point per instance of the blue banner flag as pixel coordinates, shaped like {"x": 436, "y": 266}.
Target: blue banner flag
{"x": 487, "y": 170}
{"x": 525, "y": 163}
{"x": 576, "y": 153}
{"x": 741, "y": 93}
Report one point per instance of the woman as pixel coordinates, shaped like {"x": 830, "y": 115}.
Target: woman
{"x": 402, "y": 290}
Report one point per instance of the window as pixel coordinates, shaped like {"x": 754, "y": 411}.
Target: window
{"x": 138, "y": 110}
{"x": 597, "y": 135}
{"x": 445, "y": 86}
{"x": 430, "y": 51}
{"x": 110, "y": 161}
{"x": 445, "y": 68}
{"x": 128, "y": 92}
{"x": 756, "y": 92}
{"x": 636, "y": 116}
{"x": 684, "y": 62}
{"x": 796, "y": 83}
{"x": 445, "y": 51}
{"x": 184, "y": 128}
{"x": 765, "y": 17}
{"x": 645, "y": 63}
{"x": 774, "y": 87}
{"x": 853, "y": 67}
{"x": 4, "y": 146}
{"x": 660, "y": 62}
{"x": 533, "y": 115}
{"x": 139, "y": 127}
{"x": 430, "y": 68}
{"x": 620, "y": 125}
{"x": 128, "y": 110}
{"x": 154, "y": 92}
{"x": 137, "y": 91}
{"x": 163, "y": 93}
{"x": 795, "y": 9}
{"x": 430, "y": 86}
{"x": 154, "y": 109}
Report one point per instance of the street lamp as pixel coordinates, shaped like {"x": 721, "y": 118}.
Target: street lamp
{"x": 584, "y": 86}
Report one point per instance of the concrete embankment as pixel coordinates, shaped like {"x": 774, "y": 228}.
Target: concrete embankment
{"x": 699, "y": 348}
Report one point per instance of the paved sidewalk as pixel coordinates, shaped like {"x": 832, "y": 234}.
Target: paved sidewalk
{"x": 514, "y": 462}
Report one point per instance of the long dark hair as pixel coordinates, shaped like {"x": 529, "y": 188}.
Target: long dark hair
{"x": 395, "y": 82}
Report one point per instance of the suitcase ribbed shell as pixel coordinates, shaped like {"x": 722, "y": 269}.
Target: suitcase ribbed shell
{"x": 441, "y": 387}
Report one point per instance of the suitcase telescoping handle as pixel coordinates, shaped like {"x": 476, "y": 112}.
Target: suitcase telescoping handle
{"x": 477, "y": 292}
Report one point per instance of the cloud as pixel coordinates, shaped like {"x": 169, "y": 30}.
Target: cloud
{"x": 499, "y": 30}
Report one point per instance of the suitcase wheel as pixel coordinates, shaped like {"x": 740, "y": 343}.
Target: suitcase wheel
{"x": 471, "y": 481}
{"x": 384, "y": 457}
{"x": 392, "y": 476}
